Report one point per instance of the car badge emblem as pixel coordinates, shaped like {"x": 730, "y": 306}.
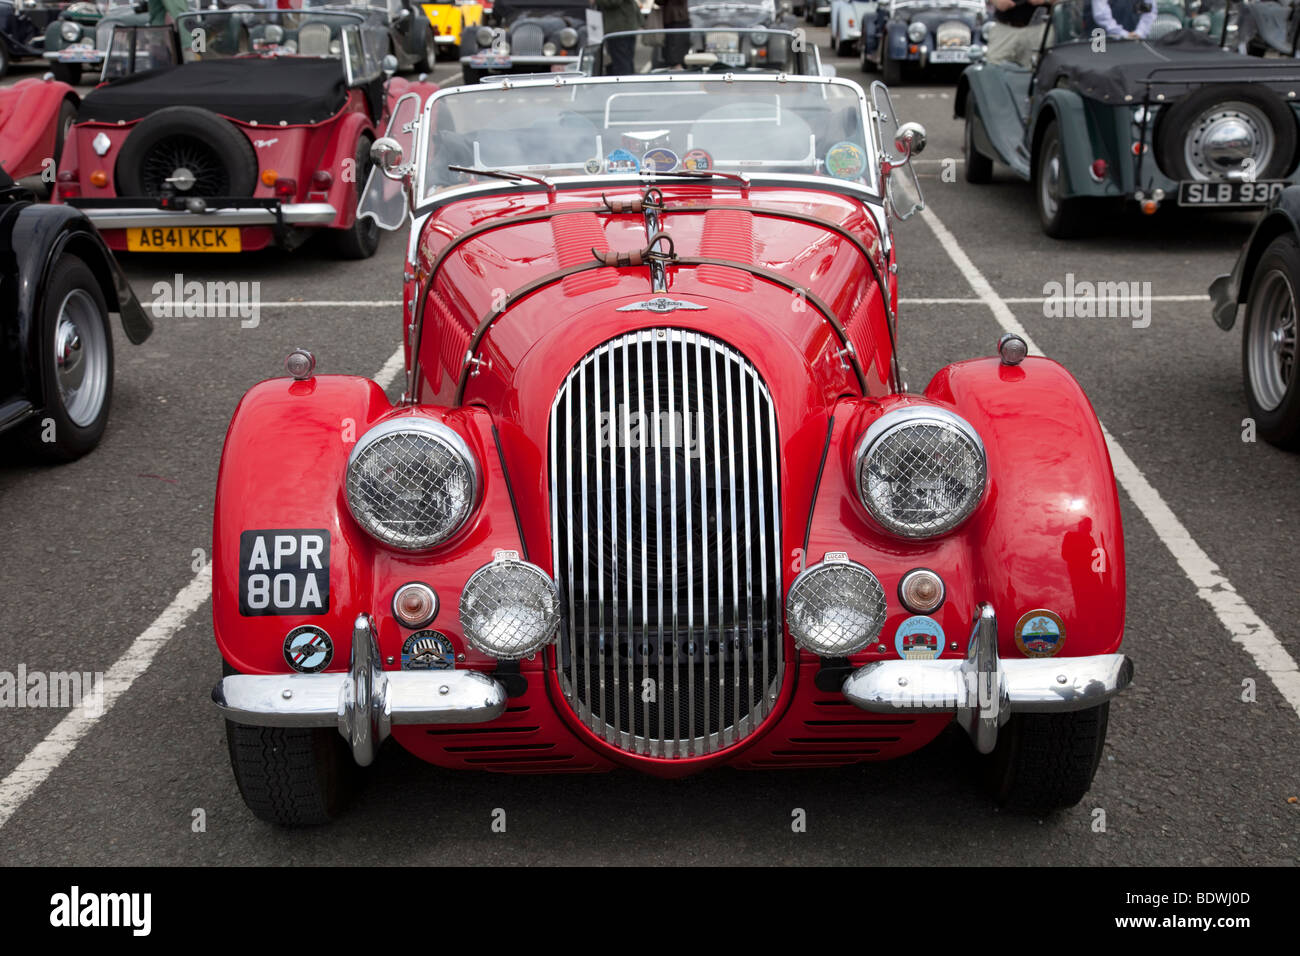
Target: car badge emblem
{"x": 428, "y": 650}
{"x": 919, "y": 638}
{"x": 100, "y": 144}
{"x": 661, "y": 304}
{"x": 308, "y": 649}
{"x": 1040, "y": 633}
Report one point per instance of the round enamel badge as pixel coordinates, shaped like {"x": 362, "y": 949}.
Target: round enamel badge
{"x": 697, "y": 161}
{"x": 1040, "y": 633}
{"x": 919, "y": 638}
{"x": 659, "y": 160}
{"x": 308, "y": 649}
{"x": 846, "y": 161}
{"x": 428, "y": 650}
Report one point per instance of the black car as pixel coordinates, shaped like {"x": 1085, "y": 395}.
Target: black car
{"x": 21, "y": 35}
{"x": 1266, "y": 279}
{"x": 531, "y": 36}
{"x": 58, "y": 284}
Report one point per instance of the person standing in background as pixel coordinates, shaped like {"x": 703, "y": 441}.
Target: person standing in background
{"x": 1012, "y": 38}
{"x": 618, "y": 15}
{"x": 676, "y": 16}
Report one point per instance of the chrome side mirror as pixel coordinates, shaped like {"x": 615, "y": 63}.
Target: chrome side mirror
{"x": 910, "y": 140}
{"x": 389, "y": 65}
{"x": 386, "y": 154}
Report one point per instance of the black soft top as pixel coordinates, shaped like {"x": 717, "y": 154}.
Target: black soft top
{"x": 252, "y": 89}
{"x": 1176, "y": 63}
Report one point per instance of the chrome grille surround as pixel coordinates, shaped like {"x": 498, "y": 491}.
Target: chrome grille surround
{"x": 667, "y": 544}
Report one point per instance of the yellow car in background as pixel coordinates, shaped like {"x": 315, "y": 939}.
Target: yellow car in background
{"x": 449, "y": 19}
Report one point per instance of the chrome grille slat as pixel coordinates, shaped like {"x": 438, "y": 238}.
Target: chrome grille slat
{"x": 675, "y": 415}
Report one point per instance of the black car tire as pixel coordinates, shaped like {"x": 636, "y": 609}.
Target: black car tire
{"x": 1046, "y": 762}
{"x": 1171, "y": 129}
{"x": 978, "y": 167}
{"x": 846, "y": 47}
{"x": 4, "y": 58}
{"x": 1065, "y": 221}
{"x": 891, "y": 70}
{"x": 1265, "y": 317}
{"x": 69, "y": 73}
{"x": 230, "y": 146}
{"x": 868, "y": 62}
{"x": 292, "y": 776}
{"x": 52, "y": 436}
{"x": 67, "y": 116}
{"x": 362, "y": 239}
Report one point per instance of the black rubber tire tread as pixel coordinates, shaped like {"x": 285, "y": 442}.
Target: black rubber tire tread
{"x": 220, "y": 135}
{"x": 71, "y": 440}
{"x": 291, "y": 776}
{"x": 67, "y": 116}
{"x": 1281, "y": 426}
{"x": 1172, "y": 126}
{"x": 5, "y": 58}
{"x": 891, "y": 70}
{"x": 361, "y": 239}
{"x": 978, "y": 167}
{"x": 1046, "y": 762}
{"x": 69, "y": 73}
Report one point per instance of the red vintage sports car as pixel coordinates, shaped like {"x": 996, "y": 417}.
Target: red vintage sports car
{"x": 261, "y": 137}
{"x": 656, "y": 495}
{"x": 35, "y": 118}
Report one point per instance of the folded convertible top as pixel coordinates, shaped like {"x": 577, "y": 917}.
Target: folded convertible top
{"x": 1178, "y": 62}
{"x": 252, "y": 89}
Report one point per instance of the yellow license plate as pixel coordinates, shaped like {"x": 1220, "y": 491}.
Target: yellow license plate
{"x": 183, "y": 239}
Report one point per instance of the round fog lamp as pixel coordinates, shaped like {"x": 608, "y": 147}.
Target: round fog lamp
{"x": 70, "y": 31}
{"x": 921, "y": 591}
{"x": 549, "y": 49}
{"x": 415, "y": 604}
{"x": 835, "y": 608}
{"x": 509, "y": 608}
{"x": 484, "y": 36}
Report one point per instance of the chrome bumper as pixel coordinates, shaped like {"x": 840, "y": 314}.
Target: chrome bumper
{"x": 985, "y": 690}
{"x": 293, "y": 214}
{"x": 365, "y": 702}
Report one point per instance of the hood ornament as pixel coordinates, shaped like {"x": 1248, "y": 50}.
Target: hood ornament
{"x": 661, "y": 304}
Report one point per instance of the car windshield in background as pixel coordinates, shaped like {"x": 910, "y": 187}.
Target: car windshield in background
{"x": 586, "y": 127}
{"x": 1070, "y": 22}
{"x": 705, "y": 51}
{"x": 265, "y": 32}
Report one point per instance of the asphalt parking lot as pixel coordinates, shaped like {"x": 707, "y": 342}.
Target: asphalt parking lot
{"x": 99, "y": 571}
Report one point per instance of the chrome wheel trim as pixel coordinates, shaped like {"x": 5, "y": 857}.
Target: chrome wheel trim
{"x": 1224, "y": 135}
{"x": 1049, "y": 179}
{"x": 1271, "y": 343}
{"x": 81, "y": 358}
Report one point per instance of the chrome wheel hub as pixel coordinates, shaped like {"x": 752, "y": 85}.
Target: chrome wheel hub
{"x": 1271, "y": 343}
{"x": 1223, "y": 138}
{"x": 181, "y": 178}
{"x": 81, "y": 358}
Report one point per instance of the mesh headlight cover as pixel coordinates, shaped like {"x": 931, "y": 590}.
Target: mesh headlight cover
{"x": 836, "y": 608}
{"x": 921, "y": 471}
{"x": 411, "y": 483}
{"x": 509, "y": 608}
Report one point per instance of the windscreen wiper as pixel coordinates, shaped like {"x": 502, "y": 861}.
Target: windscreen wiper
{"x": 505, "y": 174}
{"x": 702, "y": 174}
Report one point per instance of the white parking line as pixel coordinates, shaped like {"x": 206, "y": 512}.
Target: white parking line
{"x": 43, "y": 759}
{"x": 1212, "y": 586}
{"x": 1039, "y": 300}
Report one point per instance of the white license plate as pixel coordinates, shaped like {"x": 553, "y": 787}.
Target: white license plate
{"x": 1257, "y": 193}
{"x": 489, "y": 61}
{"x": 950, "y": 56}
{"x": 732, "y": 59}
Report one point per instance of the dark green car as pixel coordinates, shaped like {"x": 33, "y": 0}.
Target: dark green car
{"x": 1178, "y": 119}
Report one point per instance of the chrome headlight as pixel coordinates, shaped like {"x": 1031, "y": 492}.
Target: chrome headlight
{"x": 509, "y": 608}
{"x": 70, "y": 31}
{"x": 484, "y": 36}
{"x": 835, "y": 608}
{"x": 916, "y": 32}
{"x": 568, "y": 38}
{"x": 274, "y": 33}
{"x": 758, "y": 39}
{"x": 411, "y": 483}
{"x": 920, "y": 471}
{"x": 549, "y": 49}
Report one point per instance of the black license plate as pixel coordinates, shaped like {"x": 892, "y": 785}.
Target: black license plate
{"x": 284, "y": 571}
{"x": 1257, "y": 193}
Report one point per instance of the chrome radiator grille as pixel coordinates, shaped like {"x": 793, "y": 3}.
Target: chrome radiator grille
{"x": 665, "y": 514}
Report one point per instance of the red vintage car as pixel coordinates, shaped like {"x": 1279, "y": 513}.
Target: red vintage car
{"x": 35, "y": 118}
{"x": 260, "y": 137}
{"x": 656, "y": 495}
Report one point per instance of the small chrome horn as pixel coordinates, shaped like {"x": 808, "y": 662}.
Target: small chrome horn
{"x": 910, "y": 139}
